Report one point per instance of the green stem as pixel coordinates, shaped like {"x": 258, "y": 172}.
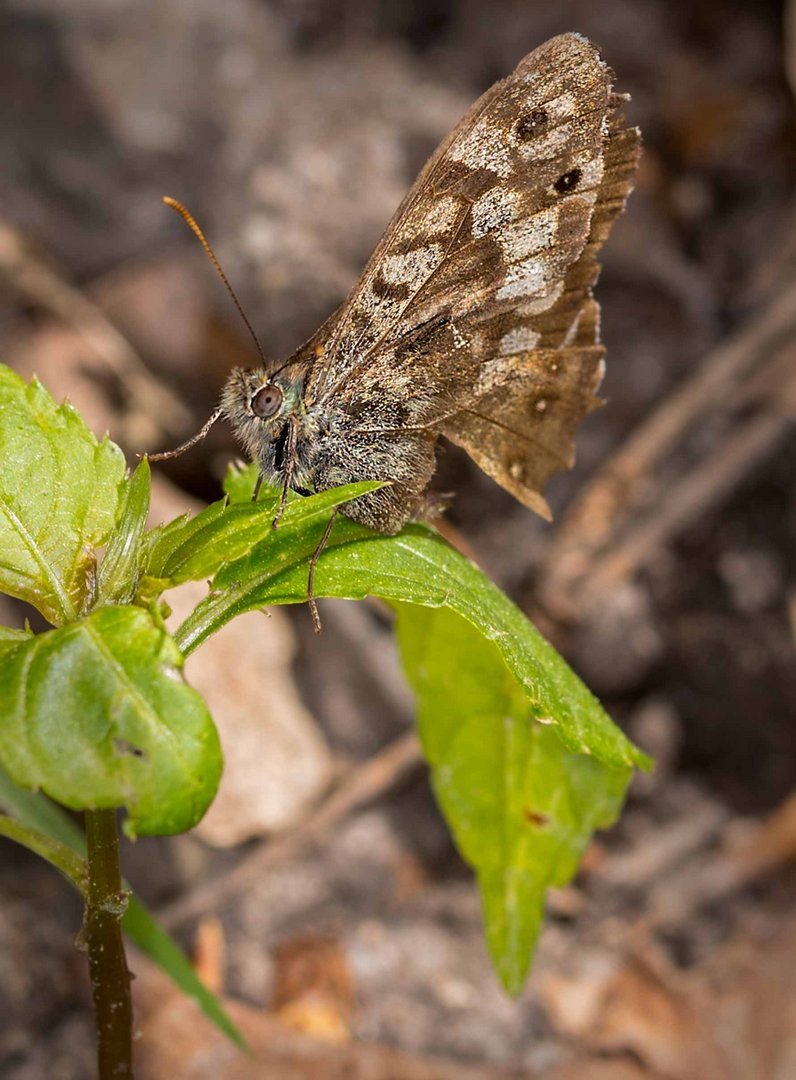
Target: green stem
{"x": 106, "y": 901}
{"x": 60, "y": 855}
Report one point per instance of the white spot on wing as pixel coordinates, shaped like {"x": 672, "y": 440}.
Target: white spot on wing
{"x": 591, "y": 172}
{"x": 483, "y": 147}
{"x": 493, "y": 373}
{"x": 413, "y": 267}
{"x": 536, "y": 233}
{"x": 547, "y": 146}
{"x": 459, "y": 340}
{"x": 542, "y": 303}
{"x": 562, "y": 107}
{"x": 526, "y": 278}
{"x": 494, "y": 210}
{"x": 440, "y": 216}
{"x": 520, "y": 339}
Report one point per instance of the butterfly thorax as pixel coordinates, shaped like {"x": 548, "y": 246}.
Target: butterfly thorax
{"x": 283, "y": 441}
{"x": 318, "y": 445}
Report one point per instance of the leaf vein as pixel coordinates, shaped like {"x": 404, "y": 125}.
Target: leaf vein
{"x": 34, "y": 549}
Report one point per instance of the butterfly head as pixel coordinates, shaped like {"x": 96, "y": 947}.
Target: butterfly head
{"x": 258, "y": 406}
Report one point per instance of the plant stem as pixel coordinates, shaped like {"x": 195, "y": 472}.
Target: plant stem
{"x": 110, "y": 979}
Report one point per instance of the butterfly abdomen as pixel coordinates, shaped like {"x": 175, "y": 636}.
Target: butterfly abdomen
{"x": 350, "y": 451}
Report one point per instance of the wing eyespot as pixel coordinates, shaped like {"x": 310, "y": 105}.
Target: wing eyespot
{"x": 530, "y": 124}
{"x": 568, "y": 181}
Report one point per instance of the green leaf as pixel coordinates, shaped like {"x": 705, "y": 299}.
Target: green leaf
{"x": 57, "y": 854}
{"x": 167, "y": 547}
{"x": 520, "y": 805}
{"x": 37, "y": 812}
{"x": 59, "y": 492}
{"x": 192, "y": 549}
{"x": 10, "y": 636}
{"x": 118, "y": 573}
{"x": 418, "y": 567}
{"x": 525, "y": 762}
{"x": 98, "y": 716}
{"x": 240, "y": 483}
{"x": 152, "y": 939}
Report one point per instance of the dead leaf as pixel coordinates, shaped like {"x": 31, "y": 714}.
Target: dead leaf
{"x": 314, "y": 991}
{"x": 210, "y": 954}
{"x": 176, "y": 1040}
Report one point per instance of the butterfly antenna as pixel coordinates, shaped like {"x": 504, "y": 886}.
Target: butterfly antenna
{"x": 192, "y": 224}
{"x": 194, "y": 439}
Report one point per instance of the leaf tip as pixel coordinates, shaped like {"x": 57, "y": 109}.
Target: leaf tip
{"x": 641, "y": 760}
{"x": 129, "y": 829}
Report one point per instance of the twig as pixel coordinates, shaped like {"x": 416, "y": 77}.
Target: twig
{"x": 374, "y": 647}
{"x": 360, "y": 785}
{"x": 699, "y": 490}
{"x": 789, "y": 27}
{"x": 654, "y": 858}
{"x": 156, "y": 408}
{"x": 695, "y": 877}
{"x": 709, "y": 879}
{"x": 625, "y": 488}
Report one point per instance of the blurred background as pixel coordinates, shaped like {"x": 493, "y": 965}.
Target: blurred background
{"x": 292, "y": 129}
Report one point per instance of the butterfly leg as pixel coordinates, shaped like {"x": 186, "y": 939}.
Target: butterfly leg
{"x": 290, "y": 457}
{"x": 327, "y": 532}
{"x": 257, "y": 486}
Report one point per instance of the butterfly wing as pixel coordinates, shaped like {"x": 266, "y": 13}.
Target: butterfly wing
{"x": 474, "y": 316}
{"x": 540, "y": 373}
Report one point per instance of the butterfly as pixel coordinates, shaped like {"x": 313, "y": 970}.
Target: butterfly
{"x": 474, "y": 318}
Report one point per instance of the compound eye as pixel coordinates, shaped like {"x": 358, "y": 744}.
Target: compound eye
{"x": 267, "y": 401}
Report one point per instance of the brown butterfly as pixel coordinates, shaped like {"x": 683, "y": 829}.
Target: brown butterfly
{"x": 474, "y": 318}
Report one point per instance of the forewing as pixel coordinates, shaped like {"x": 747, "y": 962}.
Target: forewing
{"x": 484, "y": 223}
{"x": 474, "y": 316}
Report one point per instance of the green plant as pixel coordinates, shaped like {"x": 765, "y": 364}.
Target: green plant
{"x": 97, "y": 717}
